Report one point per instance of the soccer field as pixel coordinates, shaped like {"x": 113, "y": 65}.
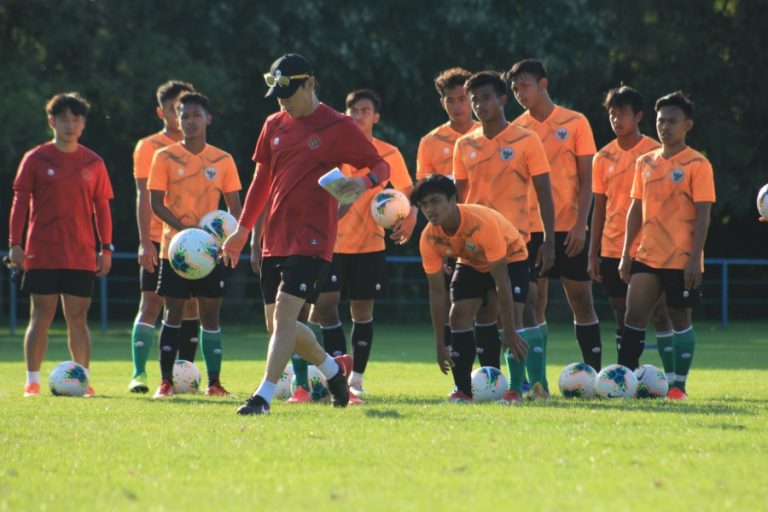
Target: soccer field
{"x": 404, "y": 449}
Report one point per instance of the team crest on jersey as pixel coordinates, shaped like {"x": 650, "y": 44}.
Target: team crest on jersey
{"x": 51, "y": 172}
{"x": 507, "y": 154}
{"x": 473, "y": 155}
{"x": 677, "y": 176}
{"x": 469, "y": 245}
{"x": 561, "y": 134}
{"x": 446, "y": 151}
{"x": 86, "y": 175}
{"x": 313, "y": 142}
{"x": 610, "y": 169}
{"x": 276, "y": 141}
{"x": 181, "y": 172}
{"x": 210, "y": 173}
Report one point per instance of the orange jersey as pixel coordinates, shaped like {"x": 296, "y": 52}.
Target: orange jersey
{"x": 499, "y": 170}
{"x": 613, "y": 171}
{"x": 565, "y": 134}
{"x": 193, "y": 184}
{"x": 484, "y": 236}
{"x": 435, "y": 155}
{"x": 668, "y": 190}
{"x": 142, "y": 162}
{"x": 357, "y": 231}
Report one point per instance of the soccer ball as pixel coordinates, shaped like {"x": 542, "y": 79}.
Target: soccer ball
{"x": 651, "y": 382}
{"x": 488, "y": 383}
{"x": 318, "y": 387}
{"x": 219, "y": 223}
{"x": 193, "y": 253}
{"x": 616, "y": 381}
{"x": 283, "y": 387}
{"x": 186, "y": 377}
{"x": 577, "y": 380}
{"x": 68, "y": 379}
{"x": 389, "y": 207}
{"x": 762, "y": 201}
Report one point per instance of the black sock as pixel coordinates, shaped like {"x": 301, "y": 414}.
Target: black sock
{"x": 588, "y": 337}
{"x": 213, "y": 378}
{"x": 169, "y": 345}
{"x": 188, "y": 339}
{"x": 488, "y": 345}
{"x": 631, "y": 347}
{"x": 463, "y": 355}
{"x": 362, "y": 339}
{"x": 446, "y": 335}
{"x": 334, "y": 341}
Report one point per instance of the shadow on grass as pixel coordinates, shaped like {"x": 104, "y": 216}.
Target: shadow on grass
{"x": 660, "y": 406}
{"x": 385, "y": 414}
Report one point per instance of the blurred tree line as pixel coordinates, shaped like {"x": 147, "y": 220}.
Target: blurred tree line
{"x": 116, "y": 52}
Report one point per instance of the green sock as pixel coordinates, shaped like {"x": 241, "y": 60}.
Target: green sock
{"x": 516, "y": 372}
{"x": 142, "y": 339}
{"x": 212, "y": 353}
{"x": 534, "y": 363}
{"x": 664, "y": 342}
{"x": 300, "y": 371}
{"x": 685, "y": 342}
{"x": 544, "y": 334}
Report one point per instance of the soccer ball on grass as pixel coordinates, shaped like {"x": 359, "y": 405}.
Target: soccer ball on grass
{"x": 68, "y": 379}
{"x": 616, "y": 381}
{"x": 651, "y": 382}
{"x": 186, "y": 377}
{"x": 577, "y": 380}
{"x": 488, "y": 383}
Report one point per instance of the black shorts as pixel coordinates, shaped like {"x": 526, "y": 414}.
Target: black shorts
{"x": 534, "y": 244}
{"x": 148, "y": 280}
{"x": 614, "y": 287}
{"x": 469, "y": 283}
{"x": 448, "y": 276}
{"x": 300, "y": 276}
{"x": 673, "y": 283}
{"x": 571, "y": 268}
{"x": 45, "y": 281}
{"x": 171, "y": 284}
{"x": 361, "y": 276}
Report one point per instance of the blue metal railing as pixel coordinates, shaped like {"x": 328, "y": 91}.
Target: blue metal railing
{"x": 724, "y": 263}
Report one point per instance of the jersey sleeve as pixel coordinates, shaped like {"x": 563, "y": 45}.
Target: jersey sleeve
{"x": 103, "y": 190}
{"x": 430, "y": 259}
{"x": 424, "y": 165}
{"x": 142, "y": 159}
{"x": 585, "y": 141}
{"x": 355, "y": 149}
{"x": 231, "y": 178}
{"x": 25, "y": 177}
{"x": 536, "y": 157}
{"x": 703, "y": 183}
{"x": 598, "y": 174}
{"x": 263, "y": 152}
{"x": 459, "y": 169}
{"x": 158, "y": 173}
{"x": 637, "y": 184}
{"x": 398, "y": 172}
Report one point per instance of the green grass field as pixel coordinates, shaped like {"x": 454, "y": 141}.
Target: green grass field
{"x": 405, "y": 449}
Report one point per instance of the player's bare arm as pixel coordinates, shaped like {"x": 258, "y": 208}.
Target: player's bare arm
{"x": 596, "y": 235}
{"x": 438, "y": 309}
{"x": 692, "y": 272}
{"x": 577, "y": 236}
{"x": 403, "y": 230}
{"x": 147, "y": 251}
{"x": 634, "y": 222}
{"x": 511, "y": 339}
{"x": 546, "y": 256}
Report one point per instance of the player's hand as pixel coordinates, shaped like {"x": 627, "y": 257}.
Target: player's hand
{"x": 352, "y": 188}
{"x": 256, "y": 259}
{"x": 692, "y": 274}
{"x": 763, "y": 219}
{"x": 448, "y": 269}
{"x": 625, "y": 266}
{"x": 103, "y": 263}
{"x": 233, "y": 246}
{"x": 148, "y": 256}
{"x": 517, "y": 345}
{"x": 16, "y": 254}
{"x": 343, "y": 209}
{"x": 575, "y": 240}
{"x": 444, "y": 360}
{"x": 545, "y": 259}
{"x": 404, "y": 228}
{"x": 593, "y": 268}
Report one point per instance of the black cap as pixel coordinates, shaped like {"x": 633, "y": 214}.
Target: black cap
{"x": 290, "y": 64}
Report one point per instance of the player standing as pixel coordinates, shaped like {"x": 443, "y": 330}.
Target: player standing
{"x": 62, "y": 186}
{"x": 186, "y": 181}
{"x": 150, "y": 234}
{"x": 295, "y": 148}
{"x": 491, "y": 256}
{"x": 613, "y": 170}
{"x": 497, "y": 165}
{"x": 672, "y": 198}
{"x": 568, "y": 142}
{"x": 359, "y": 267}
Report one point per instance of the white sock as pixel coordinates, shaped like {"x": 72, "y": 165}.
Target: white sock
{"x": 266, "y": 390}
{"x": 329, "y": 368}
{"x": 33, "y": 377}
{"x": 87, "y": 373}
{"x": 356, "y": 377}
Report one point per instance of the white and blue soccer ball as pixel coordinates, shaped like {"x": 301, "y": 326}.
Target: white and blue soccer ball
{"x": 193, "y": 253}
{"x": 318, "y": 387}
{"x": 616, "y": 381}
{"x": 283, "y": 388}
{"x": 389, "y": 206}
{"x": 68, "y": 379}
{"x": 577, "y": 380}
{"x": 186, "y": 377}
{"x": 651, "y": 382}
{"x": 762, "y": 201}
{"x": 218, "y": 223}
{"x": 488, "y": 383}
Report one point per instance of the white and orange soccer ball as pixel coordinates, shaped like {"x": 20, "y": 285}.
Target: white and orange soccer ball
{"x": 68, "y": 379}
{"x": 651, "y": 382}
{"x": 577, "y": 380}
{"x": 193, "y": 253}
{"x": 186, "y": 377}
{"x": 389, "y": 206}
{"x": 318, "y": 387}
{"x": 762, "y": 201}
{"x": 218, "y": 223}
{"x": 283, "y": 388}
{"x": 488, "y": 384}
{"x": 616, "y": 381}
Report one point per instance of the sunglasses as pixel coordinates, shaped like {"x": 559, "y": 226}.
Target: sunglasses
{"x": 282, "y": 80}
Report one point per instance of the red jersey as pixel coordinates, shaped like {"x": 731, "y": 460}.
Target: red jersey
{"x": 64, "y": 189}
{"x": 301, "y": 216}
